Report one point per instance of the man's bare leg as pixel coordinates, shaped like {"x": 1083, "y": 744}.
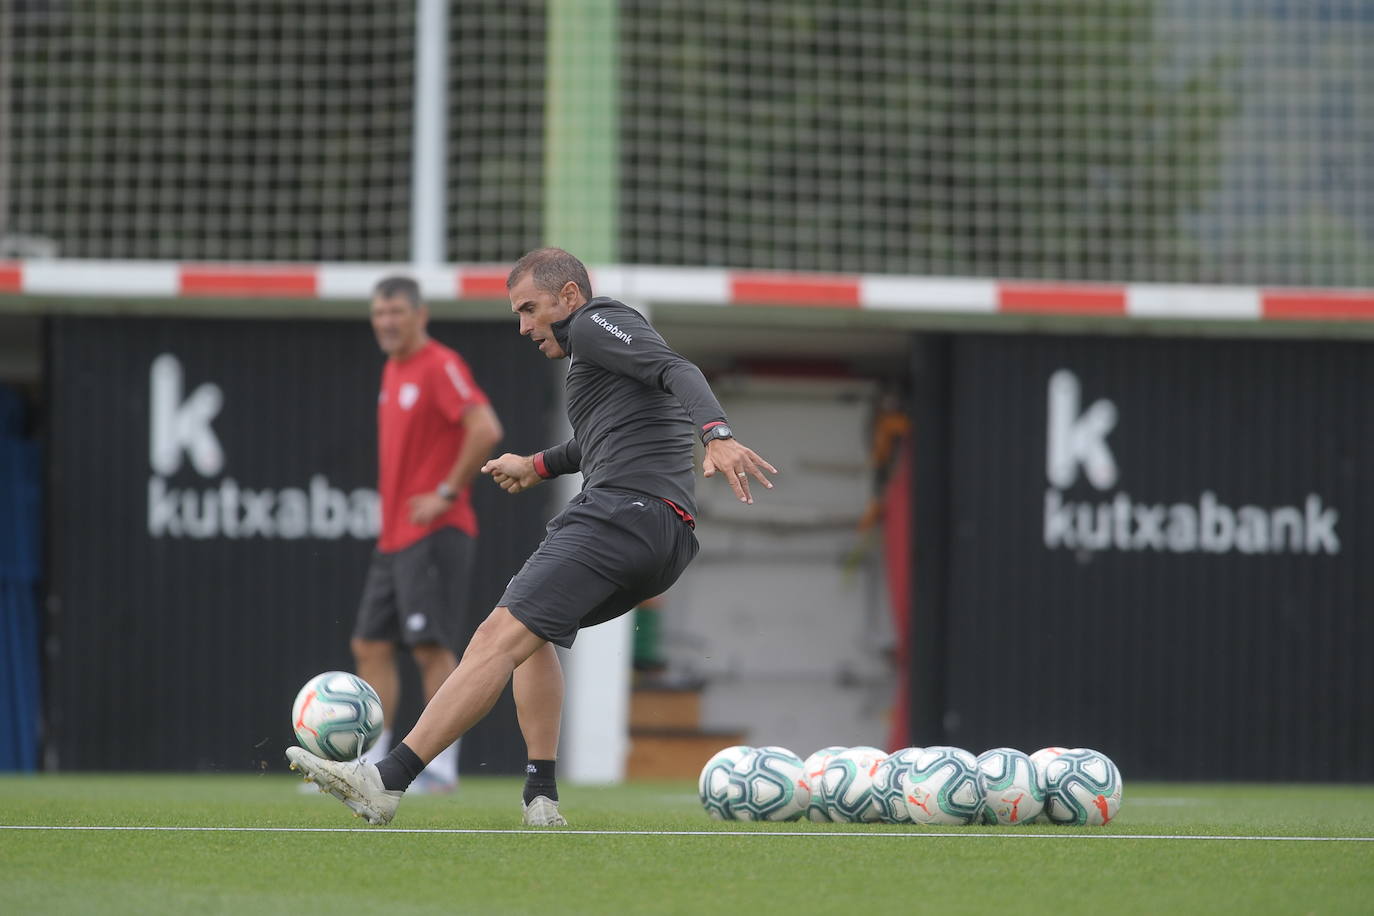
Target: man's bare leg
{"x": 436, "y": 663}
{"x": 375, "y": 662}
{"x": 538, "y": 691}
{"x": 538, "y": 688}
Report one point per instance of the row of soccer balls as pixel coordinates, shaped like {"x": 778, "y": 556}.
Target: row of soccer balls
{"x": 932, "y": 785}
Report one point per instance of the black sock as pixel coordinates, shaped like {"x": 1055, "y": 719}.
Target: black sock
{"x": 399, "y": 768}
{"x": 540, "y": 780}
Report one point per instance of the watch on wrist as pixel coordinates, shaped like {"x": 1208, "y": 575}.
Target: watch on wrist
{"x": 445, "y": 492}
{"x": 719, "y": 431}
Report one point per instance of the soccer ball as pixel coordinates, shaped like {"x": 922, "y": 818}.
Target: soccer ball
{"x": 337, "y": 715}
{"x": 1042, "y": 757}
{"x": 766, "y": 785}
{"x": 941, "y": 787}
{"x": 888, "y": 801}
{"x": 847, "y": 784}
{"x": 1082, "y": 787}
{"x": 713, "y": 786}
{"x": 812, "y": 768}
{"x": 1013, "y": 789}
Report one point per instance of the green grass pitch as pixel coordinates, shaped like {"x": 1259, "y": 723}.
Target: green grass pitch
{"x": 256, "y": 845}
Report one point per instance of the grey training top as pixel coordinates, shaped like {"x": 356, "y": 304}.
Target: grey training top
{"x": 635, "y": 405}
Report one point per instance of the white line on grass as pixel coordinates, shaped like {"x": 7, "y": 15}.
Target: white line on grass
{"x": 906, "y": 834}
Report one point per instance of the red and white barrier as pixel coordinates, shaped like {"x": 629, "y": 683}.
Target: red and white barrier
{"x": 698, "y": 286}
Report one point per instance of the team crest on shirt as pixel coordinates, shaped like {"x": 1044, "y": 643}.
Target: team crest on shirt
{"x": 409, "y": 394}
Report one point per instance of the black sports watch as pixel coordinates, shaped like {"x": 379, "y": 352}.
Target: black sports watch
{"x": 719, "y": 431}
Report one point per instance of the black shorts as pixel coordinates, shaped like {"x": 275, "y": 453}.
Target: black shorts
{"x": 607, "y": 552}
{"x": 419, "y": 594}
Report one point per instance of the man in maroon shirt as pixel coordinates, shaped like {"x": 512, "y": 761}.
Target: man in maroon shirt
{"x": 435, "y": 428}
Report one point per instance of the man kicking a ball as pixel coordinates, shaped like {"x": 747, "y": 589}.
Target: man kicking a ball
{"x": 634, "y": 406}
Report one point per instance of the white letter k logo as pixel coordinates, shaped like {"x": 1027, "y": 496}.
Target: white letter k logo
{"x": 1074, "y": 439}
{"x": 178, "y": 425}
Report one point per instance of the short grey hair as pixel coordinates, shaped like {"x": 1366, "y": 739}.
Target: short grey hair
{"x": 398, "y": 286}
{"x": 552, "y": 269}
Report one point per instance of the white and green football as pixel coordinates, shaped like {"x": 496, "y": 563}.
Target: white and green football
{"x": 941, "y": 786}
{"x": 713, "y": 785}
{"x": 767, "y": 785}
{"x": 812, "y": 768}
{"x": 847, "y": 784}
{"x": 1083, "y": 788}
{"x": 337, "y": 715}
{"x": 888, "y": 800}
{"x": 1013, "y": 788}
{"x": 1042, "y": 757}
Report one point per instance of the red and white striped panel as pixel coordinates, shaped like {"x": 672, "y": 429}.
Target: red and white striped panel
{"x": 698, "y": 286}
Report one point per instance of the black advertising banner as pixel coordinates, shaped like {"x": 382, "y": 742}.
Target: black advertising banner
{"x": 1161, "y": 549}
{"x": 212, "y": 512}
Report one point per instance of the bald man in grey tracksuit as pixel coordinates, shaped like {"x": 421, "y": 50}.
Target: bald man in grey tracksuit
{"x": 635, "y": 407}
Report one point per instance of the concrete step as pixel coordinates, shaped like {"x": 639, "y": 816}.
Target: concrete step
{"x": 674, "y": 753}
{"x": 665, "y": 707}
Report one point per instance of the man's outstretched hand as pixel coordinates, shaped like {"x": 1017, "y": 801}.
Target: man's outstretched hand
{"x": 738, "y": 463}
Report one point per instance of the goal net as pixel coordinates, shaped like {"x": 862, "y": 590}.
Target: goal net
{"x": 1164, "y": 140}
{"x": 1135, "y": 140}
{"x": 258, "y": 129}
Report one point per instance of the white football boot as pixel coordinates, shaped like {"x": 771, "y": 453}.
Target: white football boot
{"x": 357, "y": 785}
{"x": 542, "y": 811}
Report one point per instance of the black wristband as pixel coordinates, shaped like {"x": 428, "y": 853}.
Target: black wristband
{"x": 716, "y": 431}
